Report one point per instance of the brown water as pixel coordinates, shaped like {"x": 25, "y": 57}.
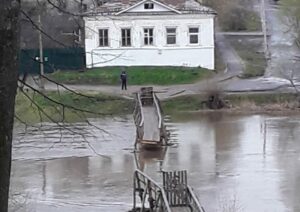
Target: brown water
{"x": 235, "y": 163}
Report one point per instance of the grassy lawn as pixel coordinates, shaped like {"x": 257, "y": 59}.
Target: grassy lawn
{"x": 260, "y": 102}
{"x": 251, "y": 53}
{"x": 98, "y": 104}
{"x": 183, "y": 103}
{"x": 136, "y": 75}
{"x": 261, "y": 98}
{"x": 252, "y": 21}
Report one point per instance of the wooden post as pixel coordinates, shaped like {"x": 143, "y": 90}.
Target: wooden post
{"x": 134, "y": 190}
{"x": 144, "y": 195}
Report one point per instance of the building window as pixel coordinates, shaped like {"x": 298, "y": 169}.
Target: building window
{"x": 171, "y": 36}
{"x": 103, "y": 37}
{"x": 126, "y": 37}
{"x": 194, "y": 35}
{"x": 148, "y": 6}
{"x": 148, "y": 36}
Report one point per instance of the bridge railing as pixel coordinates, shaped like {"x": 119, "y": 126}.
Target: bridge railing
{"x": 150, "y": 193}
{"x": 158, "y": 110}
{"x": 140, "y": 109}
{"x": 178, "y": 193}
{"x": 138, "y": 118}
{"x": 194, "y": 203}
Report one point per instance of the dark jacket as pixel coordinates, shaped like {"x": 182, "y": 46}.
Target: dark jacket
{"x": 123, "y": 76}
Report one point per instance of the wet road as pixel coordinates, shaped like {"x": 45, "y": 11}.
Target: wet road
{"x": 235, "y": 163}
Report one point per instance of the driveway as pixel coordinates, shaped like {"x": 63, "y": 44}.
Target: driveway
{"x": 222, "y": 82}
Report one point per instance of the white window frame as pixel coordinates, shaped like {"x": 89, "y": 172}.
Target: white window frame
{"x": 146, "y": 35}
{"x": 194, "y": 34}
{"x": 171, "y": 34}
{"x": 126, "y": 37}
{"x": 103, "y": 39}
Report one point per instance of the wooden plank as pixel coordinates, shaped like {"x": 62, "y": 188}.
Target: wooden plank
{"x": 151, "y": 130}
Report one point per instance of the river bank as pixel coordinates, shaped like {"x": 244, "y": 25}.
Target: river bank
{"x": 71, "y": 107}
{"x": 237, "y": 103}
{"x": 65, "y": 106}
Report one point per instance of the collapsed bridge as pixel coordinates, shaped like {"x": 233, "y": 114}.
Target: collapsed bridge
{"x": 175, "y": 195}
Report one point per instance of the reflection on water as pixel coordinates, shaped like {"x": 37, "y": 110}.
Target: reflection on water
{"x": 250, "y": 163}
{"x": 146, "y": 157}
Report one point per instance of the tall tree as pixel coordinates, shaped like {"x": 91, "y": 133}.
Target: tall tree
{"x": 9, "y": 42}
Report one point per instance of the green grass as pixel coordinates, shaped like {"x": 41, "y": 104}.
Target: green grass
{"x": 252, "y": 21}
{"x": 252, "y": 55}
{"x": 240, "y": 101}
{"x": 112, "y": 105}
{"x": 183, "y": 103}
{"x": 98, "y": 105}
{"x": 261, "y": 98}
{"x": 136, "y": 76}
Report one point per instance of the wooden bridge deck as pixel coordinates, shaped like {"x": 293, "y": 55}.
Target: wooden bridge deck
{"x": 151, "y": 130}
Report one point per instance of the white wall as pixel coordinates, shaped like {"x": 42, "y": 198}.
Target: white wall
{"x": 160, "y": 54}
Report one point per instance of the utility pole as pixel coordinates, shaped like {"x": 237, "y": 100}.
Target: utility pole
{"x": 264, "y": 29}
{"x": 41, "y": 58}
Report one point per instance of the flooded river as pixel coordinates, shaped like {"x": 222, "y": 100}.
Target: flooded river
{"x": 235, "y": 163}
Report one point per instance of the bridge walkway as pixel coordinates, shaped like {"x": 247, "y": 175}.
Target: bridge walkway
{"x": 151, "y": 130}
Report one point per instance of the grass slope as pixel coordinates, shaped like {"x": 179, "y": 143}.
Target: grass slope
{"x": 97, "y": 104}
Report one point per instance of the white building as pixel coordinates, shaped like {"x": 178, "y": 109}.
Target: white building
{"x": 150, "y": 33}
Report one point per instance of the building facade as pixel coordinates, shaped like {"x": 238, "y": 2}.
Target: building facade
{"x": 150, "y": 33}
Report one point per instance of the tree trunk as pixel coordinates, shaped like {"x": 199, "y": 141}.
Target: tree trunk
{"x": 9, "y": 50}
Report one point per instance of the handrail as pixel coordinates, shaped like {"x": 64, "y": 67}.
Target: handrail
{"x": 141, "y": 108}
{"x": 158, "y": 110}
{"x": 162, "y": 192}
{"x": 195, "y": 200}
{"x": 149, "y": 178}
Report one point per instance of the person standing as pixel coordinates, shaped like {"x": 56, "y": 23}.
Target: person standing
{"x": 123, "y": 78}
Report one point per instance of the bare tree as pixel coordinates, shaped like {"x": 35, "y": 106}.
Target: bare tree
{"x": 289, "y": 75}
{"x": 291, "y": 17}
{"x": 291, "y": 10}
{"x": 9, "y": 42}
{"x": 232, "y": 14}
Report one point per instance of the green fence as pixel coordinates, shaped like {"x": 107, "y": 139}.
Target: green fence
{"x": 54, "y": 59}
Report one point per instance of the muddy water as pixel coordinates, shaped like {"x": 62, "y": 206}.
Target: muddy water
{"x": 235, "y": 163}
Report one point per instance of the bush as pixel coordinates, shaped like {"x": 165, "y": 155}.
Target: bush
{"x": 234, "y": 21}
{"x": 235, "y": 15}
